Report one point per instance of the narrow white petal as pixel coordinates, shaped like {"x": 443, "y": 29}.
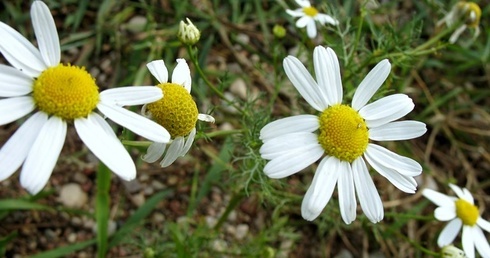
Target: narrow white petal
{"x": 295, "y": 13}
{"x": 347, "y": 196}
{"x": 321, "y": 188}
{"x": 303, "y": 3}
{"x": 304, "y": 83}
{"x": 293, "y": 142}
{"x": 46, "y": 34}
{"x": 158, "y": 70}
{"x": 43, "y": 155}
{"x": 439, "y": 199}
{"x": 366, "y": 191}
{"x": 467, "y": 196}
{"x": 205, "y": 118}
{"x": 371, "y": 84}
{"x": 14, "y": 108}
{"x": 182, "y": 74}
{"x": 135, "y": 123}
{"x": 20, "y": 53}
{"x": 15, "y": 150}
{"x": 445, "y": 213}
{"x": 483, "y": 224}
{"x": 327, "y": 73}
{"x": 188, "y": 142}
{"x": 386, "y": 109}
{"x": 304, "y": 21}
{"x": 14, "y": 83}
{"x": 132, "y": 95}
{"x": 323, "y": 18}
{"x": 293, "y": 124}
{"x": 105, "y": 146}
{"x": 154, "y": 152}
{"x": 399, "y": 130}
{"x": 404, "y": 183}
{"x": 173, "y": 152}
{"x": 458, "y": 191}
{"x": 311, "y": 29}
{"x": 293, "y": 162}
{"x": 467, "y": 242}
{"x": 481, "y": 242}
{"x": 391, "y": 160}
{"x": 449, "y": 233}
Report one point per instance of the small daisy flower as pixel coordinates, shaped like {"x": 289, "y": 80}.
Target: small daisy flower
{"x": 176, "y": 111}
{"x": 460, "y": 212}
{"x": 468, "y": 13}
{"x": 309, "y": 15}
{"x": 342, "y": 134}
{"x": 60, "y": 94}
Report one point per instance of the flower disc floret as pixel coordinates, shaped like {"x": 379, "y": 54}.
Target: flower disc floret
{"x": 66, "y": 91}
{"x": 310, "y": 11}
{"x": 467, "y": 212}
{"x": 343, "y": 133}
{"x": 176, "y": 111}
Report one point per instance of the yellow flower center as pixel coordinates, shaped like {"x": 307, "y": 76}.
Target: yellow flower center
{"x": 473, "y": 14}
{"x": 176, "y": 111}
{"x": 310, "y": 11}
{"x": 343, "y": 132}
{"x": 66, "y": 91}
{"x": 467, "y": 212}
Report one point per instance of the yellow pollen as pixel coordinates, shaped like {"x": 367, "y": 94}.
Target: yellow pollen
{"x": 66, "y": 91}
{"x": 310, "y": 11}
{"x": 467, "y": 212}
{"x": 176, "y": 111}
{"x": 343, "y": 132}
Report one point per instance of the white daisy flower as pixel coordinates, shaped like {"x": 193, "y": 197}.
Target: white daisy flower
{"x": 309, "y": 15}
{"x": 459, "y": 212}
{"x": 60, "y": 94}
{"x": 341, "y": 134}
{"x": 176, "y": 111}
{"x": 468, "y": 13}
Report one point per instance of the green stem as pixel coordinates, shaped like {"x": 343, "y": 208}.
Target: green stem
{"x": 102, "y": 208}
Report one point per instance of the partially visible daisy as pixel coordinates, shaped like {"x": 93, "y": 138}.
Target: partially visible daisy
{"x": 309, "y": 15}
{"x": 61, "y": 94}
{"x": 342, "y": 134}
{"x": 176, "y": 111}
{"x": 460, "y": 212}
{"x": 467, "y": 13}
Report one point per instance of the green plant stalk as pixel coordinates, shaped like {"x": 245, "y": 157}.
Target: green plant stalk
{"x": 102, "y": 208}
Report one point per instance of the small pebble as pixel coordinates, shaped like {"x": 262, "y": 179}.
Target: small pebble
{"x": 72, "y": 196}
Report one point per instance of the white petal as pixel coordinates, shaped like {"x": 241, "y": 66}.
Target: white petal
{"x": 366, "y": 191}
{"x": 182, "y": 75}
{"x": 458, "y": 191}
{"x": 391, "y": 160}
{"x": 327, "y": 73}
{"x": 154, "y": 152}
{"x": 399, "y": 130}
{"x": 132, "y": 95}
{"x": 20, "y": 53}
{"x": 323, "y": 18}
{"x": 303, "y": 3}
{"x": 295, "y": 13}
{"x": 445, "y": 213}
{"x": 188, "y": 142}
{"x": 173, "y": 152}
{"x": 46, "y": 34}
{"x": 439, "y": 199}
{"x": 304, "y": 83}
{"x": 467, "y": 241}
{"x": 481, "y": 242}
{"x": 321, "y": 188}
{"x": 467, "y": 196}
{"x": 449, "y": 233}
{"x": 43, "y": 155}
{"x": 304, "y": 21}
{"x": 105, "y": 145}
{"x": 371, "y": 84}
{"x": 14, "y": 83}
{"x": 311, "y": 29}
{"x": 404, "y": 183}
{"x": 14, "y": 108}
{"x": 293, "y": 161}
{"x": 386, "y": 109}
{"x": 293, "y": 124}
{"x": 135, "y": 123}
{"x": 15, "y": 150}
{"x": 347, "y": 196}
{"x": 483, "y": 224}
{"x": 205, "y": 118}
{"x": 158, "y": 70}
{"x": 284, "y": 144}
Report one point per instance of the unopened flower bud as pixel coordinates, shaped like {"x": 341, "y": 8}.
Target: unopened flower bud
{"x": 450, "y": 251}
{"x": 188, "y": 33}
{"x": 279, "y": 31}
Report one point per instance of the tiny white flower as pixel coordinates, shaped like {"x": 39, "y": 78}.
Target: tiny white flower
{"x": 461, "y": 212}
{"x": 308, "y": 15}
{"x": 466, "y": 13}
{"x": 60, "y": 94}
{"x": 176, "y": 111}
{"x": 341, "y": 133}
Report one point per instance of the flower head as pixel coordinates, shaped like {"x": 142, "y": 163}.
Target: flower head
{"x": 308, "y": 15}
{"x": 188, "y": 33}
{"x": 342, "y": 134}
{"x": 176, "y": 111}
{"x": 466, "y": 13}
{"x": 60, "y": 94}
{"x": 460, "y": 212}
